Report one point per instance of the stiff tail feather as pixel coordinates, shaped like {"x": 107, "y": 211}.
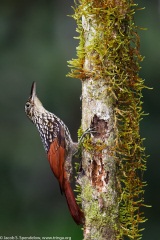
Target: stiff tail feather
{"x": 74, "y": 209}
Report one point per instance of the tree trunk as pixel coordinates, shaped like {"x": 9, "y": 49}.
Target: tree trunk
{"x": 99, "y": 194}
{"x": 99, "y": 185}
{"x": 113, "y": 158}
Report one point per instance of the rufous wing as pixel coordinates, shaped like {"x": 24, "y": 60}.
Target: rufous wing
{"x": 56, "y": 157}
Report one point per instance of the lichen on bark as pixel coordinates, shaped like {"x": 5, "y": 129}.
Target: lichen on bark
{"x": 113, "y": 158}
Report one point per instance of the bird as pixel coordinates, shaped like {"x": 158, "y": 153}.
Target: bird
{"x": 58, "y": 146}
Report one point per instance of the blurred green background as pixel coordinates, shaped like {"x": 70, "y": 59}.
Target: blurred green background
{"x": 36, "y": 40}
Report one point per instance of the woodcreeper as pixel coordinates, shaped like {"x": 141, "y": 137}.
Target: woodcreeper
{"x": 59, "y": 147}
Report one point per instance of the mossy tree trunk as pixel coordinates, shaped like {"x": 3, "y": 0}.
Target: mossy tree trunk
{"x": 113, "y": 158}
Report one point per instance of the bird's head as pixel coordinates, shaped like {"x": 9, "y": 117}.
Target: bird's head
{"x": 33, "y": 106}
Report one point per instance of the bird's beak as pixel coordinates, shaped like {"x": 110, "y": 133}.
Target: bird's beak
{"x": 33, "y": 91}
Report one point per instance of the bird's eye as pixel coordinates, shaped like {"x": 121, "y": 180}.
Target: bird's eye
{"x": 27, "y": 104}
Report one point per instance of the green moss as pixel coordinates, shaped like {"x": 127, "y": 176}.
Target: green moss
{"x": 114, "y": 54}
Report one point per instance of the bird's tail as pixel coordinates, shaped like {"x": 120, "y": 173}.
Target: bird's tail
{"x": 74, "y": 209}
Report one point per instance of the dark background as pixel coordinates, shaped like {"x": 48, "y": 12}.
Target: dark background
{"x": 36, "y": 40}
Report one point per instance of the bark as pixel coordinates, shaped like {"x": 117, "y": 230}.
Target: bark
{"x": 100, "y": 198}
